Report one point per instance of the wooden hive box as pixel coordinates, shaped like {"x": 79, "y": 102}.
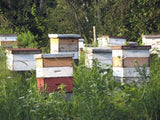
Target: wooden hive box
{"x": 154, "y": 41}
{"x": 103, "y": 55}
{"x": 106, "y": 41}
{"x": 8, "y": 40}
{"x": 21, "y": 59}
{"x": 124, "y": 58}
{"x": 64, "y": 43}
{"x": 54, "y": 69}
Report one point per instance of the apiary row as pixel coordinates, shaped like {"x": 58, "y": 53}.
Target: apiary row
{"x": 57, "y": 67}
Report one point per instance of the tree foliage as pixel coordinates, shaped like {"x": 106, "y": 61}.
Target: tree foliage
{"x": 130, "y": 18}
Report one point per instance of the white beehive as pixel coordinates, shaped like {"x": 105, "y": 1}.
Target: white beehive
{"x": 103, "y": 56}
{"x": 21, "y": 59}
{"x": 8, "y": 40}
{"x": 124, "y": 61}
{"x": 154, "y": 41}
{"x": 64, "y": 43}
{"x": 106, "y": 41}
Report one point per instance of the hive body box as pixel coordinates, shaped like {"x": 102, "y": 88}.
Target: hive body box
{"x": 153, "y": 40}
{"x": 8, "y": 40}
{"x": 106, "y": 41}
{"x": 64, "y": 43}
{"x": 21, "y": 59}
{"x": 54, "y": 69}
{"x": 124, "y": 61}
{"x": 103, "y": 55}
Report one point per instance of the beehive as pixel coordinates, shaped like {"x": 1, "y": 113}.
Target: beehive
{"x": 21, "y": 59}
{"x": 54, "y": 69}
{"x": 64, "y": 43}
{"x": 102, "y": 55}
{"x": 8, "y": 40}
{"x": 124, "y": 61}
{"x": 106, "y": 41}
{"x": 154, "y": 41}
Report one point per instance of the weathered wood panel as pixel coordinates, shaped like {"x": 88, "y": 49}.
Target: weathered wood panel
{"x": 52, "y": 84}
{"x": 66, "y": 36}
{"x": 106, "y": 41}
{"x": 24, "y": 65}
{"x": 128, "y": 72}
{"x": 130, "y": 61}
{"x": 102, "y": 55}
{"x": 21, "y": 59}
{"x": 8, "y": 43}
{"x": 10, "y": 61}
{"x": 54, "y": 72}
{"x": 54, "y": 62}
{"x": 130, "y": 53}
{"x": 54, "y": 45}
{"x": 8, "y": 38}
{"x": 68, "y": 45}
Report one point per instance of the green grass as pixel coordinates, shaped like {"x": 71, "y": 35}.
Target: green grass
{"x": 96, "y": 96}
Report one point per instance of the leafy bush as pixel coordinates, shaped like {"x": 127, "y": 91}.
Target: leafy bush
{"x": 27, "y": 40}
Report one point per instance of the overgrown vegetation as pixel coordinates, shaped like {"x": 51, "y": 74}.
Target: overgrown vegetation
{"x": 130, "y": 18}
{"x": 96, "y": 96}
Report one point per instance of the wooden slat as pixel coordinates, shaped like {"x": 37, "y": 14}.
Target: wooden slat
{"x": 52, "y": 84}
{"x": 24, "y": 65}
{"x": 56, "y": 62}
{"x": 117, "y": 62}
{"x": 130, "y": 61}
{"x": 54, "y": 72}
{"x": 68, "y": 45}
{"x": 130, "y": 53}
{"x": 8, "y": 43}
{"x": 123, "y": 47}
{"x": 128, "y": 72}
{"x": 54, "y": 45}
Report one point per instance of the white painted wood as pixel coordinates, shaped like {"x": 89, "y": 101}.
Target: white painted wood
{"x": 54, "y": 46}
{"x": 54, "y": 72}
{"x": 64, "y": 36}
{"x": 128, "y": 72}
{"x": 24, "y": 65}
{"x": 58, "y": 55}
{"x": 21, "y": 62}
{"x": 24, "y": 57}
{"x": 8, "y": 38}
{"x": 9, "y": 61}
{"x": 130, "y": 53}
{"x": 103, "y": 56}
{"x": 75, "y": 54}
{"x": 117, "y": 53}
{"x": 80, "y": 43}
{"x": 106, "y": 41}
{"x": 151, "y": 40}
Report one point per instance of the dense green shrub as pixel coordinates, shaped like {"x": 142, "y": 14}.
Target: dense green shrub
{"x": 27, "y": 40}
